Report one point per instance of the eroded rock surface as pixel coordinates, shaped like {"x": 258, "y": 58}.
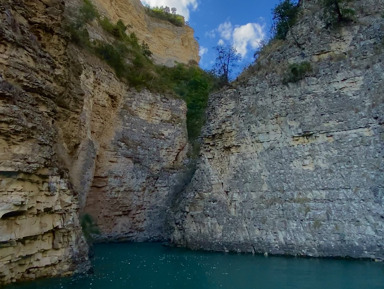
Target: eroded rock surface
{"x": 137, "y": 172}
{"x": 40, "y": 233}
{"x": 168, "y": 43}
{"x": 71, "y": 130}
{"x": 297, "y": 168}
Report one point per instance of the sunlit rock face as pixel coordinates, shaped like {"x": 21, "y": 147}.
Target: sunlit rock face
{"x": 75, "y": 139}
{"x": 296, "y": 167}
{"x": 40, "y": 233}
{"x": 169, "y": 44}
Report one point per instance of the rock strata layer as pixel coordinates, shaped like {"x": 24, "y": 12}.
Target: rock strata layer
{"x": 137, "y": 172}
{"x": 40, "y": 233}
{"x": 296, "y": 167}
{"x": 75, "y": 139}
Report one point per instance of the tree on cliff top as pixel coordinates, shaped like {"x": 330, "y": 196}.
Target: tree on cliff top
{"x": 227, "y": 58}
{"x": 284, "y": 17}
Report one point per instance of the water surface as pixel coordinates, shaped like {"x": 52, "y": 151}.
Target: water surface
{"x": 145, "y": 266}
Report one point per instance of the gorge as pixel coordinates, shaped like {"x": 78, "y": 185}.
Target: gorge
{"x": 291, "y": 157}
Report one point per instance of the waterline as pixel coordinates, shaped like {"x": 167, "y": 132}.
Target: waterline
{"x": 146, "y": 265}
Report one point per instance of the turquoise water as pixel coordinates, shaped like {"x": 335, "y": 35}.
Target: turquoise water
{"x": 145, "y": 265}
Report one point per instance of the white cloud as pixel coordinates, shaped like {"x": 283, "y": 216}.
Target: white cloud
{"x": 220, "y": 42}
{"x": 243, "y": 38}
{"x": 183, "y": 6}
{"x": 225, "y": 29}
{"x": 211, "y": 34}
{"x": 203, "y": 50}
{"x": 248, "y": 36}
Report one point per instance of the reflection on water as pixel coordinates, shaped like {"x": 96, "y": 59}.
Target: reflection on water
{"x": 144, "y": 266}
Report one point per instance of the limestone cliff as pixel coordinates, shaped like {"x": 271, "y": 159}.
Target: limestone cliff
{"x": 285, "y": 167}
{"x": 137, "y": 171}
{"x": 297, "y": 167}
{"x": 168, "y": 42}
{"x": 75, "y": 138}
{"x": 40, "y": 233}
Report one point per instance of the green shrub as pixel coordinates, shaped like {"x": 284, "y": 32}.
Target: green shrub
{"x": 146, "y": 51}
{"x": 134, "y": 41}
{"x": 297, "y": 71}
{"x": 193, "y": 85}
{"x": 78, "y": 35}
{"x": 158, "y": 12}
{"x": 88, "y": 12}
{"x": 336, "y": 12}
{"x": 284, "y": 17}
{"x": 117, "y": 30}
{"x": 111, "y": 55}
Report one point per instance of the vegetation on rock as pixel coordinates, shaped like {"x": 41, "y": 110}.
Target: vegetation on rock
{"x": 164, "y": 14}
{"x": 132, "y": 63}
{"x": 88, "y": 12}
{"x": 336, "y": 12}
{"x": 297, "y": 71}
{"x": 284, "y": 17}
{"x": 193, "y": 85}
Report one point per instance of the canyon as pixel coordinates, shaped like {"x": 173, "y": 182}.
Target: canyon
{"x": 286, "y": 166}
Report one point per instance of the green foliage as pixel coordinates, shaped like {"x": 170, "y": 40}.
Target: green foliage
{"x": 117, "y": 30}
{"x": 88, "y": 12}
{"x": 145, "y": 48}
{"x": 113, "y": 56}
{"x": 336, "y": 12}
{"x": 79, "y": 35}
{"x": 132, "y": 63}
{"x": 284, "y": 17}
{"x": 160, "y": 13}
{"x": 227, "y": 58}
{"x": 193, "y": 85}
{"x": 297, "y": 71}
{"x": 89, "y": 227}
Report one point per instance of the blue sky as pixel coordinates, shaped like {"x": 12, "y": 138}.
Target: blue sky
{"x": 245, "y": 24}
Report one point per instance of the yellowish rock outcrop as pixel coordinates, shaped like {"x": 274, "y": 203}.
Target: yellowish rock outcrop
{"x": 168, "y": 43}
{"x": 40, "y": 234}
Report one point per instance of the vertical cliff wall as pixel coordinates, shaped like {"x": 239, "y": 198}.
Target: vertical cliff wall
{"x": 40, "y": 233}
{"x": 136, "y": 173}
{"x": 168, "y": 43}
{"x": 297, "y": 167}
{"x": 75, "y": 138}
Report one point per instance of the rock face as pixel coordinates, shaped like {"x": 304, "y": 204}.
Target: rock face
{"x": 74, "y": 138}
{"x": 168, "y": 43}
{"x": 294, "y": 168}
{"x": 40, "y": 233}
{"x": 297, "y": 168}
{"x": 137, "y": 173}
